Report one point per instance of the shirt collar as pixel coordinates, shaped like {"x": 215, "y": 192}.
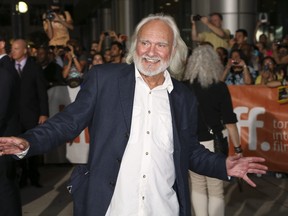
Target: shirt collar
{"x": 2, "y": 55}
{"x": 22, "y": 62}
{"x": 167, "y": 84}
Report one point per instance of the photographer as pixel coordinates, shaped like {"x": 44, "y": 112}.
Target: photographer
{"x": 75, "y": 63}
{"x": 236, "y": 71}
{"x": 280, "y": 52}
{"x": 268, "y": 71}
{"x": 217, "y": 36}
{"x": 56, "y": 24}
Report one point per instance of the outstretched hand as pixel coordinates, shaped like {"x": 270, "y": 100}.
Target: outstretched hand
{"x": 12, "y": 145}
{"x": 238, "y": 166}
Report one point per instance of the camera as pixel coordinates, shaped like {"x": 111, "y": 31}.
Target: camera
{"x": 106, "y": 34}
{"x": 266, "y": 68}
{"x": 263, "y": 17}
{"x": 196, "y": 17}
{"x": 50, "y": 15}
{"x": 67, "y": 49}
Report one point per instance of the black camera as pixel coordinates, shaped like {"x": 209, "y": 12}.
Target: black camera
{"x": 67, "y": 49}
{"x": 106, "y": 34}
{"x": 50, "y": 15}
{"x": 196, "y": 17}
{"x": 266, "y": 68}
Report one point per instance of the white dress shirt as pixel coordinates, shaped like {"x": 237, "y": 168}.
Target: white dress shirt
{"x": 147, "y": 172}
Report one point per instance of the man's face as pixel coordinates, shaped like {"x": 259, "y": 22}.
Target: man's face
{"x": 216, "y": 21}
{"x": 41, "y": 57}
{"x": 154, "y": 48}
{"x": 18, "y": 50}
{"x": 240, "y": 38}
{"x": 115, "y": 51}
{"x": 94, "y": 46}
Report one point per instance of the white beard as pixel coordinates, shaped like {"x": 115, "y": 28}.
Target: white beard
{"x": 147, "y": 71}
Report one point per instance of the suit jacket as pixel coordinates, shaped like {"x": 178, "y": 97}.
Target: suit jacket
{"x": 7, "y": 63}
{"x": 33, "y": 95}
{"x": 9, "y": 125}
{"x": 9, "y": 94}
{"x": 105, "y": 104}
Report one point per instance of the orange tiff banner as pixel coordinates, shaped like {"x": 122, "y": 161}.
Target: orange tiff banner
{"x": 262, "y": 124}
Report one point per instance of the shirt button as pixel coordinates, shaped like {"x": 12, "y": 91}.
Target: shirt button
{"x": 144, "y": 176}
{"x": 143, "y": 197}
{"x": 150, "y": 92}
{"x": 149, "y": 111}
{"x": 146, "y": 153}
{"x": 148, "y": 132}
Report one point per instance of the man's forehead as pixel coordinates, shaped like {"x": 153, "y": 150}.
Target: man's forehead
{"x": 157, "y": 28}
{"x": 155, "y": 25}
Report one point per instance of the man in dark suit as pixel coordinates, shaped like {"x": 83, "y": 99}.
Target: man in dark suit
{"x": 9, "y": 125}
{"x": 52, "y": 71}
{"x": 33, "y": 104}
{"x": 142, "y": 126}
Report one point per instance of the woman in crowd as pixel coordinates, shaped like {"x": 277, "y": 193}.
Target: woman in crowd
{"x": 97, "y": 59}
{"x": 215, "y": 112}
{"x": 269, "y": 71}
{"x": 75, "y": 63}
{"x": 237, "y": 72}
{"x": 57, "y": 23}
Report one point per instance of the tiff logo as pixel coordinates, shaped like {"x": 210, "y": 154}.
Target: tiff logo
{"x": 251, "y": 123}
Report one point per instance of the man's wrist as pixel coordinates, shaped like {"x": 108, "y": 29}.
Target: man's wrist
{"x": 22, "y": 154}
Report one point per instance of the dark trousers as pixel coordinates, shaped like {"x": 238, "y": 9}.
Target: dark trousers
{"x": 29, "y": 170}
{"x": 10, "y": 201}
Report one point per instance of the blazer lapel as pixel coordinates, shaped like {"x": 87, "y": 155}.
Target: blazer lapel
{"x": 127, "y": 90}
{"x": 174, "y": 103}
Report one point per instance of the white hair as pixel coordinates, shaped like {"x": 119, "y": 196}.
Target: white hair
{"x": 177, "y": 62}
{"x": 204, "y": 64}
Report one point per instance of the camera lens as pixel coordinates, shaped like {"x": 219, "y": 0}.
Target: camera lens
{"x": 196, "y": 17}
{"x": 266, "y": 67}
{"x": 50, "y": 15}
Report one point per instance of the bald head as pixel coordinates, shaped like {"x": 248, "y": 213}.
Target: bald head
{"x": 19, "y": 49}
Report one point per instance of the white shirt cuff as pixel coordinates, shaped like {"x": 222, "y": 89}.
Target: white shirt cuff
{"x": 22, "y": 154}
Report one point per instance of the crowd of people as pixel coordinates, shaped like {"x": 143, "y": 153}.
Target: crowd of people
{"x": 218, "y": 61}
{"x": 262, "y": 62}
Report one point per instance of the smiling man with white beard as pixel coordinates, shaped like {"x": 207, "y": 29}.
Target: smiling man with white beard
{"x": 142, "y": 126}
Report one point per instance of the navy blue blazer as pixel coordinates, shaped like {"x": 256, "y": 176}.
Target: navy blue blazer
{"x": 105, "y": 104}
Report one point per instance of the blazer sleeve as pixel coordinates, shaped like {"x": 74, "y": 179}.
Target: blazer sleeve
{"x": 67, "y": 124}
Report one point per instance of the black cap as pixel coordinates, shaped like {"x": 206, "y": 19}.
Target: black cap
{"x": 55, "y": 3}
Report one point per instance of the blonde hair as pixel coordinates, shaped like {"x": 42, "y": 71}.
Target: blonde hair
{"x": 205, "y": 65}
{"x": 177, "y": 63}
